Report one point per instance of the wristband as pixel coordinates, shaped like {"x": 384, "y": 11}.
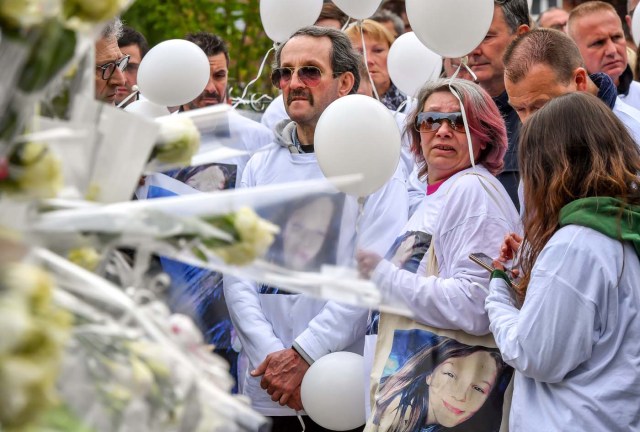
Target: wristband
{"x": 500, "y": 274}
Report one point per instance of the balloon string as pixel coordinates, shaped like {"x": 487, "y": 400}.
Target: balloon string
{"x": 402, "y": 105}
{"x": 463, "y": 62}
{"x": 464, "y": 118}
{"x": 133, "y": 93}
{"x": 466, "y": 128}
{"x": 361, "y": 203}
{"x": 366, "y": 62}
{"x": 301, "y": 421}
{"x": 246, "y": 89}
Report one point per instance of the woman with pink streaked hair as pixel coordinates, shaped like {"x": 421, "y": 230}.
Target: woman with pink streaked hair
{"x": 466, "y": 210}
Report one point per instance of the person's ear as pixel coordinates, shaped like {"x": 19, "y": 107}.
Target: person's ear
{"x": 581, "y": 78}
{"x": 346, "y": 82}
{"x": 522, "y": 29}
{"x": 429, "y": 379}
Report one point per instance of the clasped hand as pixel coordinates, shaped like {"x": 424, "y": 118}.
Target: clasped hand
{"x": 282, "y": 373}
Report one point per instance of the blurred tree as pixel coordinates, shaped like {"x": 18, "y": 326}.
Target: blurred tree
{"x": 236, "y": 21}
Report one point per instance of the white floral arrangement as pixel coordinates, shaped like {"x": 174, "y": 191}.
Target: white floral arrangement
{"x": 34, "y": 334}
{"x": 251, "y": 237}
{"x": 31, "y": 170}
{"x": 178, "y": 142}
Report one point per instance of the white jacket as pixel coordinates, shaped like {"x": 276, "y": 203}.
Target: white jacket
{"x": 574, "y": 343}
{"x": 464, "y": 217}
{"x": 272, "y": 322}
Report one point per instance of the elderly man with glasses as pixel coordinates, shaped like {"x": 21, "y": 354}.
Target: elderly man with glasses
{"x": 110, "y": 63}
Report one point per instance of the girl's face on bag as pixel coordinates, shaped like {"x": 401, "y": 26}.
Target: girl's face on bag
{"x": 459, "y": 387}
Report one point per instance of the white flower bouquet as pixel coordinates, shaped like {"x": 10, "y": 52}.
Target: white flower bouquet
{"x": 34, "y": 332}
{"x": 31, "y": 170}
{"x": 178, "y": 141}
{"x": 251, "y": 237}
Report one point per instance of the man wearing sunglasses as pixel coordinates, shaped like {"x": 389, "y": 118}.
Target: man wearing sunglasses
{"x": 241, "y": 134}
{"x": 282, "y": 335}
{"x": 110, "y": 63}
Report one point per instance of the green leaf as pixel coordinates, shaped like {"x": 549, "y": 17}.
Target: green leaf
{"x": 52, "y": 48}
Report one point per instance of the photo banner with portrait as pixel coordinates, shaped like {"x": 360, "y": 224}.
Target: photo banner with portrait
{"x": 316, "y": 230}
{"x": 428, "y": 379}
{"x": 310, "y": 234}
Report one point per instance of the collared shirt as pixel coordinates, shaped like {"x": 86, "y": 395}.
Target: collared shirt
{"x": 393, "y": 98}
{"x": 607, "y": 91}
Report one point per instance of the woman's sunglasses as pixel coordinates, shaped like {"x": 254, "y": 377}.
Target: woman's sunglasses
{"x": 309, "y": 75}
{"x": 430, "y": 122}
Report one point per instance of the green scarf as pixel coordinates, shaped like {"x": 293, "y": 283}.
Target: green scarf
{"x": 603, "y": 215}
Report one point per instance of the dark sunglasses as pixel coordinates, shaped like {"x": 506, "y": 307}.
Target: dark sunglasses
{"x": 108, "y": 69}
{"x": 430, "y": 122}
{"x": 309, "y": 75}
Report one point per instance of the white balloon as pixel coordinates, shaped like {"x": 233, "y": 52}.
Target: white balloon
{"x": 173, "y": 73}
{"x": 356, "y": 134}
{"x": 635, "y": 27}
{"x": 332, "y": 391}
{"x": 358, "y": 9}
{"x": 441, "y": 26}
{"x": 282, "y": 18}
{"x": 147, "y": 109}
{"x": 411, "y": 64}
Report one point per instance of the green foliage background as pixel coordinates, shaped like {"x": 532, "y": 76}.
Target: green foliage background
{"x": 235, "y": 21}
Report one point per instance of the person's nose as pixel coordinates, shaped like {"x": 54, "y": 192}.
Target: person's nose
{"x": 296, "y": 82}
{"x": 117, "y": 79}
{"x": 610, "y": 48}
{"x": 370, "y": 61}
{"x": 477, "y": 52}
{"x": 459, "y": 392}
{"x": 211, "y": 87}
{"x": 445, "y": 130}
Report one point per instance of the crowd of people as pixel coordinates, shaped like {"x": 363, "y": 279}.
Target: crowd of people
{"x": 530, "y": 156}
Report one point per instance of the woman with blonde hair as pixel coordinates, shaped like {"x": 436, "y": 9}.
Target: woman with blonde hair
{"x": 574, "y": 341}
{"x": 377, "y": 41}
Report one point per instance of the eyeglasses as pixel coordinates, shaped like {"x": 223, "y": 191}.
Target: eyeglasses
{"x": 309, "y": 75}
{"x": 430, "y": 122}
{"x": 108, "y": 69}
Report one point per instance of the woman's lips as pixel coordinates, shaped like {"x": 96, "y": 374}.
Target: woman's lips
{"x": 453, "y": 409}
